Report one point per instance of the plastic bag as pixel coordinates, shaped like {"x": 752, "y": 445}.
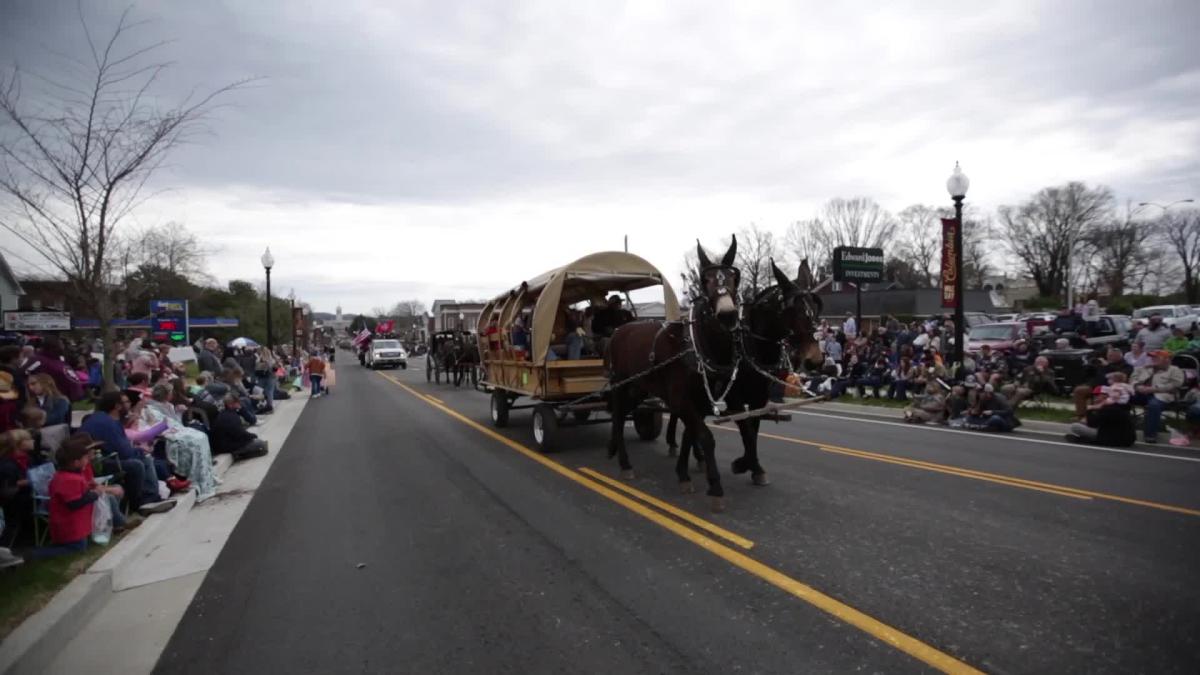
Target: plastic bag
{"x": 102, "y": 523}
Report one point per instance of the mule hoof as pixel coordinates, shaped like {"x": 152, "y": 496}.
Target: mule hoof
{"x": 686, "y": 488}
{"x": 627, "y": 474}
{"x": 760, "y": 479}
{"x": 739, "y": 465}
{"x": 717, "y": 504}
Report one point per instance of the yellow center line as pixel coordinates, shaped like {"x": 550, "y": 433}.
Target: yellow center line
{"x": 1013, "y": 481}
{"x": 866, "y": 623}
{"x": 677, "y": 512}
{"x": 435, "y": 399}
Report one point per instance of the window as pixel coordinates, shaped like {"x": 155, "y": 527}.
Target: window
{"x": 387, "y": 344}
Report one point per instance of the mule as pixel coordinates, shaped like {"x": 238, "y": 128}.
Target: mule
{"x": 778, "y": 321}
{"x": 707, "y": 341}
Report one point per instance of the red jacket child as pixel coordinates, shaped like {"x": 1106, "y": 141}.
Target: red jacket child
{"x": 71, "y": 498}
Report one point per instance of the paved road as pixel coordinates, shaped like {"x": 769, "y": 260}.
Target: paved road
{"x": 399, "y": 533}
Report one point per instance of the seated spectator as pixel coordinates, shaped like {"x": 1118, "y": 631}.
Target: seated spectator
{"x": 186, "y": 448}
{"x": 1178, "y": 341}
{"x": 231, "y": 378}
{"x": 1137, "y": 356}
{"x": 991, "y": 412}
{"x": 1019, "y": 358}
{"x": 1156, "y": 387}
{"x": 878, "y": 375}
{"x": 903, "y": 378}
{"x": 855, "y": 371}
{"x": 43, "y": 393}
{"x": 1109, "y": 421}
{"x": 1036, "y": 380}
{"x": 929, "y": 406}
{"x": 141, "y": 478}
{"x": 73, "y": 494}
{"x": 957, "y": 404}
{"x": 229, "y": 436}
{"x": 209, "y": 358}
{"x": 1114, "y": 362}
{"x": 139, "y": 382}
{"x": 16, "y": 496}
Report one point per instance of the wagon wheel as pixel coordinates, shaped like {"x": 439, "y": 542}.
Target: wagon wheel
{"x": 648, "y": 424}
{"x": 545, "y": 427}
{"x": 499, "y": 408}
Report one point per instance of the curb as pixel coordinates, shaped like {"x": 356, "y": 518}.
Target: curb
{"x": 36, "y": 642}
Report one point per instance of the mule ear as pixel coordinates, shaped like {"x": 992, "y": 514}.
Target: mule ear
{"x": 780, "y": 277}
{"x": 731, "y": 254}
{"x": 804, "y": 277}
{"x": 702, "y": 256}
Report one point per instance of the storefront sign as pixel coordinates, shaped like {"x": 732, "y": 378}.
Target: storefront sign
{"x": 854, "y": 264}
{"x": 31, "y": 321}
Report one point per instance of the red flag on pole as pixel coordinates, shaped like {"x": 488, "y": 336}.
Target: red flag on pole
{"x": 385, "y": 326}
{"x": 950, "y": 269}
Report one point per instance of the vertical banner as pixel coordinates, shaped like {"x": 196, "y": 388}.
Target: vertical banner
{"x": 950, "y": 269}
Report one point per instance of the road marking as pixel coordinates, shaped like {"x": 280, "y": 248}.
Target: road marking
{"x": 926, "y": 427}
{"x": 870, "y": 625}
{"x": 677, "y": 512}
{"x": 1063, "y": 490}
{"x": 436, "y": 399}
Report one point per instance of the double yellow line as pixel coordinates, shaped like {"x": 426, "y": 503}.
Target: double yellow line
{"x": 1000, "y": 479}
{"x": 604, "y": 486}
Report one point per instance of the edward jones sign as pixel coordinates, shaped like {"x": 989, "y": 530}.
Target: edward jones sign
{"x": 852, "y": 264}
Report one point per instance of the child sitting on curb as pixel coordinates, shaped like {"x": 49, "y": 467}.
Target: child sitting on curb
{"x": 71, "y": 502}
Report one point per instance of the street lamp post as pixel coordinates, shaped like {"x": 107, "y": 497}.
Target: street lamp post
{"x": 461, "y": 318}
{"x": 268, "y": 261}
{"x": 292, "y": 298}
{"x": 957, "y": 186}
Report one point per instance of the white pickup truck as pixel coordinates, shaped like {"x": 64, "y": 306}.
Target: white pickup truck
{"x": 386, "y": 354}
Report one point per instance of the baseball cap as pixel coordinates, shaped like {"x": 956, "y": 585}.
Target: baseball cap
{"x": 1161, "y": 353}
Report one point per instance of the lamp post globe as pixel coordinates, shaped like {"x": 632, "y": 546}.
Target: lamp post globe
{"x": 957, "y": 185}
{"x": 268, "y": 261}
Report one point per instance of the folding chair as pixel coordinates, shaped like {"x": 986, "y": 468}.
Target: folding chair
{"x": 39, "y": 482}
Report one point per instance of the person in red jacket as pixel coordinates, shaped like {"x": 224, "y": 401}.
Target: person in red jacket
{"x": 72, "y": 498}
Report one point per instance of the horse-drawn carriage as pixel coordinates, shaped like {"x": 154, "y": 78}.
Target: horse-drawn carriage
{"x": 523, "y": 342}
{"x": 452, "y": 353}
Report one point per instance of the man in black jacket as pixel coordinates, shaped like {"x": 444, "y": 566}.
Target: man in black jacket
{"x": 228, "y": 434}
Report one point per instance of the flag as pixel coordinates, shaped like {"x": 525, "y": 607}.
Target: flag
{"x": 950, "y": 269}
{"x": 386, "y": 326}
{"x": 362, "y": 336}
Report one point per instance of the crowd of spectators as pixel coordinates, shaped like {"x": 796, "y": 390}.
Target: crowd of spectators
{"x": 144, "y": 439}
{"x": 909, "y": 362}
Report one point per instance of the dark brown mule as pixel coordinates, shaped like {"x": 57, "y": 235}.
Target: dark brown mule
{"x": 778, "y": 323}
{"x": 709, "y": 339}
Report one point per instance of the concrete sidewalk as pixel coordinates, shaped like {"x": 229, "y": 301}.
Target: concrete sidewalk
{"x": 152, "y": 586}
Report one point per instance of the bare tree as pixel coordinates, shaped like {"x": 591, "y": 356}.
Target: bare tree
{"x": 978, "y": 240}
{"x": 919, "y": 234}
{"x": 806, "y": 240}
{"x": 74, "y": 164}
{"x": 173, "y": 247}
{"x": 856, "y": 222}
{"x": 1119, "y": 252}
{"x": 1044, "y": 232}
{"x": 379, "y": 312}
{"x": 1181, "y": 230}
{"x": 756, "y": 249}
{"x": 410, "y": 307}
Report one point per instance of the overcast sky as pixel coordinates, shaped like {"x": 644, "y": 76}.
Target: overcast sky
{"x": 451, "y": 149}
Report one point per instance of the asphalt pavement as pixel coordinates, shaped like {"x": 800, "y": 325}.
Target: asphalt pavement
{"x": 399, "y": 532}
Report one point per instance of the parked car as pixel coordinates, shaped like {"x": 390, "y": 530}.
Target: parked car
{"x": 1000, "y": 336}
{"x": 1181, "y": 316}
{"x": 1110, "y": 330}
{"x": 386, "y": 354}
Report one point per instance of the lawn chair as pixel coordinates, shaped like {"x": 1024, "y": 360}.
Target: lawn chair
{"x": 39, "y": 482}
